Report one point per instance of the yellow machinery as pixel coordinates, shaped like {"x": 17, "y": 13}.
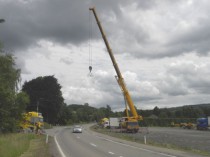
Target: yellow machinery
{"x": 104, "y": 122}
{"x": 128, "y": 122}
{"x": 31, "y": 119}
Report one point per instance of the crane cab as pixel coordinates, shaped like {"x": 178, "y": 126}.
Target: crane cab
{"x": 129, "y": 124}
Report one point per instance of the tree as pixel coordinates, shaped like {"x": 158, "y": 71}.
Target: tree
{"x": 12, "y": 104}
{"x": 22, "y": 99}
{"x": 46, "y": 96}
{"x": 108, "y": 111}
{"x": 65, "y": 115}
{"x": 156, "y": 111}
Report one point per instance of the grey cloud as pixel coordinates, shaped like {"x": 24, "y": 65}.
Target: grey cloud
{"x": 67, "y": 61}
{"x": 107, "y": 83}
{"x": 59, "y": 21}
{"x": 67, "y": 22}
{"x": 20, "y": 64}
{"x": 196, "y": 39}
{"x": 184, "y": 79}
{"x": 173, "y": 87}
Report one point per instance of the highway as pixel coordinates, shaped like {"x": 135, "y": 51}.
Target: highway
{"x": 91, "y": 144}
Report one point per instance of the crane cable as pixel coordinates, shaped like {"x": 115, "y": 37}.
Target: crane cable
{"x": 90, "y": 42}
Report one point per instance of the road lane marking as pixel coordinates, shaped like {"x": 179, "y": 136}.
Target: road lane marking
{"x": 92, "y": 144}
{"x": 59, "y": 148}
{"x": 147, "y": 150}
{"x": 78, "y": 137}
{"x": 111, "y": 153}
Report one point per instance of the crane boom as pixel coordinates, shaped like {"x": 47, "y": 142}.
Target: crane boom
{"x": 119, "y": 75}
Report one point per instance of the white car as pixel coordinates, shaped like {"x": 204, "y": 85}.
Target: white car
{"x": 77, "y": 129}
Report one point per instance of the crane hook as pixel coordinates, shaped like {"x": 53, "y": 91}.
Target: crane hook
{"x": 90, "y": 68}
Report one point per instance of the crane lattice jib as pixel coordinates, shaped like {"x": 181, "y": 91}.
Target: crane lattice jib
{"x": 119, "y": 75}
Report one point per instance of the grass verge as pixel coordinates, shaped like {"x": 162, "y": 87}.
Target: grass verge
{"x": 16, "y": 144}
{"x": 47, "y": 126}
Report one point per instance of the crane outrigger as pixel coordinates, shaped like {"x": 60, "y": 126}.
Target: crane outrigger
{"x": 130, "y": 123}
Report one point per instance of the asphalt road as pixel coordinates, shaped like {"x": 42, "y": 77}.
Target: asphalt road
{"x": 91, "y": 144}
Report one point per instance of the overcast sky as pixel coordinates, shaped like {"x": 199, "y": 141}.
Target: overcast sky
{"x": 162, "y": 48}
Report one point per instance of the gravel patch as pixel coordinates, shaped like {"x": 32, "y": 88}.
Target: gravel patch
{"x": 175, "y": 137}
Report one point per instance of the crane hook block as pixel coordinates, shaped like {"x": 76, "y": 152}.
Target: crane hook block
{"x": 90, "y": 68}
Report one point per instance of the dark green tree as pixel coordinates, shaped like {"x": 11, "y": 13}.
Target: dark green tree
{"x": 46, "y": 97}
{"x": 12, "y": 103}
{"x": 65, "y": 115}
{"x": 156, "y": 111}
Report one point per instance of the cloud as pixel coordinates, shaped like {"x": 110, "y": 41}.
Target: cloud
{"x": 102, "y": 89}
{"x": 161, "y": 47}
{"x": 166, "y": 29}
{"x": 66, "y": 61}
{"x": 183, "y": 78}
{"x": 154, "y": 29}
{"x": 58, "y": 21}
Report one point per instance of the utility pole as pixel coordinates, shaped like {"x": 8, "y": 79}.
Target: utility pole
{"x": 37, "y": 106}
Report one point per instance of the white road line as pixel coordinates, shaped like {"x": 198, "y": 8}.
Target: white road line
{"x": 59, "y": 148}
{"x": 111, "y": 153}
{"x": 92, "y": 144}
{"x": 78, "y": 137}
{"x": 147, "y": 150}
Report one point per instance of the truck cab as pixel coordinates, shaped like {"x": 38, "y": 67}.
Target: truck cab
{"x": 202, "y": 124}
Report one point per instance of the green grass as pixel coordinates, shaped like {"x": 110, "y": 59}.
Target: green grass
{"x": 47, "y": 126}
{"x": 37, "y": 148}
{"x": 16, "y": 144}
{"x": 13, "y": 145}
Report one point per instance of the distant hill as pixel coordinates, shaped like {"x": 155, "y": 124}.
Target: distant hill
{"x": 200, "y": 105}
{"x": 196, "y": 106}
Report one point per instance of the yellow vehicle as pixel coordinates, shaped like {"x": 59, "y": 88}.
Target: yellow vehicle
{"x": 31, "y": 119}
{"x": 104, "y": 122}
{"x": 187, "y": 125}
{"x": 130, "y": 123}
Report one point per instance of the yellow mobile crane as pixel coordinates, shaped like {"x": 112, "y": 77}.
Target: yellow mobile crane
{"x": 31, "y": 119}
{"x": 130, "y": 123}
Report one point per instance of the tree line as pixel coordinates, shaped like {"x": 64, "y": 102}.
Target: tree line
{"x": 76, "y": 113}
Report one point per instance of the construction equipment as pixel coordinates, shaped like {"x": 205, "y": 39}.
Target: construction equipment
{"x": 114, "y": 122}
{"x": 31, "y": 120}
{"x": 104, "y": 122}
{"x": 188, "y": 125}
{"x": 129, "y": 122}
